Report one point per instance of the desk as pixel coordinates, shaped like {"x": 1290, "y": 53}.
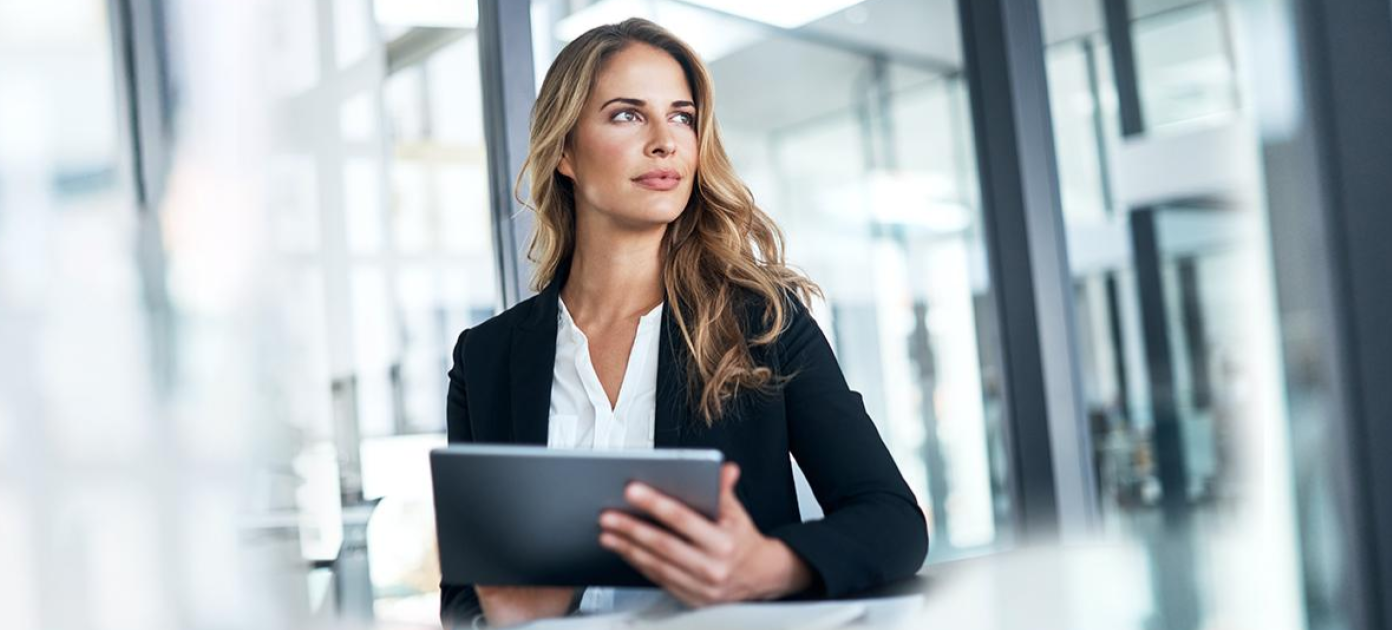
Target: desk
{"x": 896, "y": 605}
{"x": 1078, "y": 586}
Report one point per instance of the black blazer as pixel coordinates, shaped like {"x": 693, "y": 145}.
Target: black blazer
{"x": 873, "y": 531}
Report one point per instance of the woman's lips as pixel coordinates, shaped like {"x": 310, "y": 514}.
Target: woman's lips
{"x": 658, "y": 183}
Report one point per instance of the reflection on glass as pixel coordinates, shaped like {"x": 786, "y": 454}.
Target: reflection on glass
{"x": 381, "y": 222}
{"x": 144, "y": 450}
{"x": 1184, "y": 65}
{"x": 1175, "y": 313}
{"x": 437, "y": 278}
{"x": 1072, "y": 76}
{"x": 865, "y": 162}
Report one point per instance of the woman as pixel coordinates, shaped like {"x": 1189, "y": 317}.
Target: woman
{"x": 667, "y": 318}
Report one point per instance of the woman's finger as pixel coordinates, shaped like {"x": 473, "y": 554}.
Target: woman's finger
{"x": 661, "y": 572}
{"x": 695, "y": 527}
{"x": 665, "y": 545}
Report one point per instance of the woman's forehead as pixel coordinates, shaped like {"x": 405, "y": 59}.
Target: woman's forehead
{"x": 644, "y": 73}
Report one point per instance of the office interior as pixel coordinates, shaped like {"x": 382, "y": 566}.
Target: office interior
{"x": 1109, "y": 274}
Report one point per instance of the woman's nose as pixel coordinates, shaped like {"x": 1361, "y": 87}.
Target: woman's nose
{"x": 662, "y": 144}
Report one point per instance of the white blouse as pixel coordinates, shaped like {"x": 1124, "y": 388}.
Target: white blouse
{"x": 580, "y": 412}
{"x": 581, "y": 418}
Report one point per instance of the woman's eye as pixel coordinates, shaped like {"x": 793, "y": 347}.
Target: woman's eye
{"x": 628, "y": 115}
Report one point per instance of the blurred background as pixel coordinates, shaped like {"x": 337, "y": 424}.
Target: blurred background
{"x": 1109, "y": 274}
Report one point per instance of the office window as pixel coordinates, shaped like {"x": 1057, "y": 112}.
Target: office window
{"x": 1075, "y": 72}
{"x": 76, "y": 389}
{"x": 852, "y": 130}
{"x": 1174, "y": 303}
{"x": 1185, "y": 66}
{"x": 139, "y": 387}
{"x": 442, "y": 280}
{"x": 385, "y": 247}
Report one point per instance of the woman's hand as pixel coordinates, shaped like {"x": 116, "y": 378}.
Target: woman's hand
{"x": 709, "y": 562}
{"x": 510, "y": 605}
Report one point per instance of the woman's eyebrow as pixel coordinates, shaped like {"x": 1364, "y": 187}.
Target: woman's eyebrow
{"x": 638, "y": 102}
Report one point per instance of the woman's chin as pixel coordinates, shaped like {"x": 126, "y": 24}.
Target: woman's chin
{"x": 650, "y": 216}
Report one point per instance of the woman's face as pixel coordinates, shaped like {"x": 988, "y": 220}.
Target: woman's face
{"x": 632, "y": 155}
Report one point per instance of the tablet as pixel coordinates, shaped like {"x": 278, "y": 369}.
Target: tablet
{"x": 529, "y": 515}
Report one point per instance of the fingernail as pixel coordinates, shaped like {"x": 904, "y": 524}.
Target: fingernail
{"x": 637, "y": 490}
{"x": 608, "y": 520}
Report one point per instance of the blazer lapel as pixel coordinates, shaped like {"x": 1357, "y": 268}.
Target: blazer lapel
{"x": 672, "y": 409}
{"x": 533, "y": 366}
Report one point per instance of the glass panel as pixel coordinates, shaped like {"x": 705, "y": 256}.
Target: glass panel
{"x": 404, "y": 108}
{"x": 1068, "y": 19}
{"x": 18, "y": 594}
{"x": 304, "y": 364}
{"x": 115, "y": 522}
{"x": 362, "y": 204}
{"x": 438, "y": 277}
{"x": 387, "y": 251}
{"x": 1148, "y": 8}
{"x": 1082, "y": 184}
{"x": 454, "y": 100}
{"x": 862, "y": 153}
{"x": 1176, "y": 318}
{"x": 464, "y": 229}
{"x": 1184, "y": 60}
{"x": 353, "y": 34}
{"x": 78, "y": 409}
{"x": 294, "y": 198}
{"x": 357, "y": 118}
{"x": 1184, "y": 66}
{"x": 292, "y": 31}
{"x": 411, "y": 205}
{"x": 401, "y": 537}
{"x": 140, "y": 344}
{"x": 422, "y": 404}
{"x": 376, "y": 345}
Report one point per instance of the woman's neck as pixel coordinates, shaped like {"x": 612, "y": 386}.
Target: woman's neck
{"x": 614, "y": 278}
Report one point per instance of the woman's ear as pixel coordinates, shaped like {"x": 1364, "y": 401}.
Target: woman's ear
{"x": 565, "y": 167}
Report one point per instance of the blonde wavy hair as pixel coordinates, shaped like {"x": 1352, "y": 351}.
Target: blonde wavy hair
{"x": 721, "y": 252}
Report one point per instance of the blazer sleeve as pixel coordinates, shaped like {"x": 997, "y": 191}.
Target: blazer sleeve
{"x": 873, "y": 531}
{"x": 459, "y": 604}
